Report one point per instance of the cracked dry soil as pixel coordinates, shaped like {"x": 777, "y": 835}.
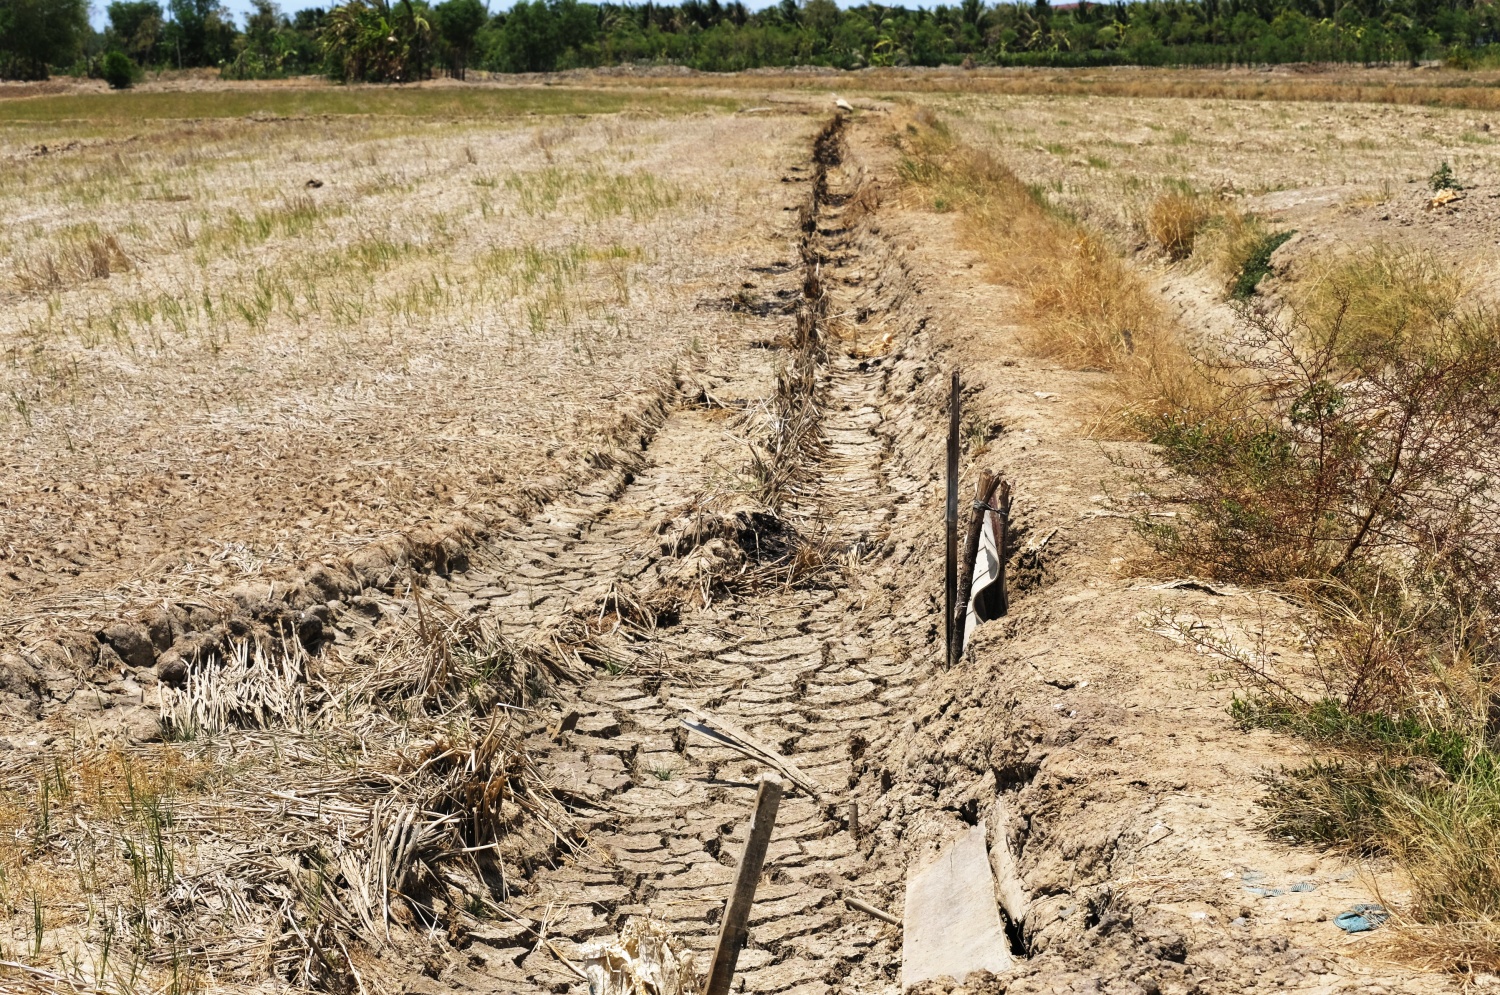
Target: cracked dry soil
{"x": 1100, "y": 753}
{"x": 1097, "y": 751}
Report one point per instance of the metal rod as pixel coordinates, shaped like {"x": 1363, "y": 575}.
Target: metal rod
{"x": 950, "y": 573}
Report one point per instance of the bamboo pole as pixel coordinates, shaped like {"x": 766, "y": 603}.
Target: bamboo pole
{"x": 733, "y": 930}
{"x": 870, "y": 910}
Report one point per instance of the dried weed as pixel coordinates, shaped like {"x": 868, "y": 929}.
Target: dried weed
{"x": 1083, "y": 304}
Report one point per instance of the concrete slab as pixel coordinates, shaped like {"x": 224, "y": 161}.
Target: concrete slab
{"x": 952, "y": 923}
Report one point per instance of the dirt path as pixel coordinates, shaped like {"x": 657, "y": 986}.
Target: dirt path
{"x": 816, "y": 668}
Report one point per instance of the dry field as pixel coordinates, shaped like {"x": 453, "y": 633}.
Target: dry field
{"x": 234, "y": 345}
{"x": 1350, "y": 174}
{"x": 389, "y": 473}
{"x": 247, "y": 338}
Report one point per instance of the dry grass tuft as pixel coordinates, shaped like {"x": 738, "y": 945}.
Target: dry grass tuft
{"x": 1381, "y": 298}
{"x": 401, "y": 795}
{"x": 77, "y": 257}
{"x": 1175, "y": 221}
{"x": 1084, "y": 306}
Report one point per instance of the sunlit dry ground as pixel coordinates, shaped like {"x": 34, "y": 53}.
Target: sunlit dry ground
{"x": 1106, "y": 159}
{"x": 236, "y": 345}
{"x": 231, "y": 345}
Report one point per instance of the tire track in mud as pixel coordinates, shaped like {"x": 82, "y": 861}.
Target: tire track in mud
{"x": 820, "y": 669}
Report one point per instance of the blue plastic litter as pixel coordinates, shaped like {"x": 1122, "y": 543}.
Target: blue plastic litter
{"x": 1362, "y": 918}
{"x": 1300, "y": 886}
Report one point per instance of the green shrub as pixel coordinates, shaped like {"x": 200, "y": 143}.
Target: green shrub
{"x": 119, "y": 71}
{"x": 1358, "y": 435}
{"x": 1257, "y": 264}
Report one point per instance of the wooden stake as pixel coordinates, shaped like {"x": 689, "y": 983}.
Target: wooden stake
{"x": 1000, "y": 524}
{"x": 984, "y": 493}
{"x": 870, "y": 910}
{"x": 733, "y": 931}
{"x": 950, "y": 574}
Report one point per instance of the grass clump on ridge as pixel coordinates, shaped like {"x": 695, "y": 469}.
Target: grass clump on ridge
{"x": 1235, "y": 244}
{"x": 1082, "y": 303}
{"x": 1254, "y": 262}
{"x": 1175, "y": 220}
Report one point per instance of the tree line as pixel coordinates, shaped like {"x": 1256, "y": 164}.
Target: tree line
{"x": 402, "y": 40}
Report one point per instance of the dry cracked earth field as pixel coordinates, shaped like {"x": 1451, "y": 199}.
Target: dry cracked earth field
{"x": 381, "y": 493}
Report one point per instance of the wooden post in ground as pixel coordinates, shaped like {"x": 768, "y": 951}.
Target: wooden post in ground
{"x": 1000, "y": 523}
{"x": 733, "y": 930}
{"x": 984, "y": 493}
{"x": 950, "y": 574}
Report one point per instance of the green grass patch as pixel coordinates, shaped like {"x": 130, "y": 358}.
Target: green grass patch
{"x": 1397, "y": 739}
{"x": 1393, "y": 785}
{"x": 1257, "y": 264}
{"x": 487, "y": 102}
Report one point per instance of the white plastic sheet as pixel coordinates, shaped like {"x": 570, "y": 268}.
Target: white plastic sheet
{"x": 986, "y": 573}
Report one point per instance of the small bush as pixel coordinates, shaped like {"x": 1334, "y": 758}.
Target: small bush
{"x": 1359, "y": 433}
{"x": 1442, "y": 178}
{"x": 1175, "y": 220}
{"x": 119, "y": 71}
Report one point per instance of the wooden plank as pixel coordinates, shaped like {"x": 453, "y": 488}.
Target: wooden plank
{"x": 951, "y": 926}
{"x": 1008, "y": 884}
{"x": 733, "y": 931}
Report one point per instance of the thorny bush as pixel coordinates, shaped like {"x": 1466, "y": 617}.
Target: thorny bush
{"x": 1357, "y": 436}
{"x": 1352, "y": 455}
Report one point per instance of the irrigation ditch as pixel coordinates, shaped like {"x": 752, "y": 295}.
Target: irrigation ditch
{"x": 496, "y": 745}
